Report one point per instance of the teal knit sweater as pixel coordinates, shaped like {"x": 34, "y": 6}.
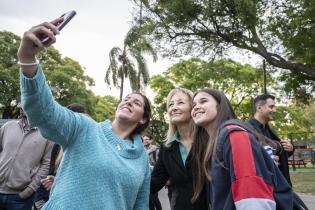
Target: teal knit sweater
{"x": 99, "y": 170}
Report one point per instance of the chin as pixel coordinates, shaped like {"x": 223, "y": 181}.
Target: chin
{"x": 176, "y": 120}
{"x": 199, "y": 122}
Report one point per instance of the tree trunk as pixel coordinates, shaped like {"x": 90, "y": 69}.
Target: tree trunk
{"x": 121, "y": 88}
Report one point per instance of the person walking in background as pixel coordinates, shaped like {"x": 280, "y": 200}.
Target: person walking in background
{"x": 104, "y": 165}
{"x": 265, "y": 108}
{"x": 174, "y": 157}
{"x": 241, "y": 173}
{"x": 152, "y": 151}
{"x": 42, "y": 194}
{"x": 24, "y": 161}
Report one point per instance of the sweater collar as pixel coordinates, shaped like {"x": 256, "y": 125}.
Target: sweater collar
{"x": 123, "y": 147}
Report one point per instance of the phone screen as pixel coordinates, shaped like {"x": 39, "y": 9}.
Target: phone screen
{"x": 66, "y": 18}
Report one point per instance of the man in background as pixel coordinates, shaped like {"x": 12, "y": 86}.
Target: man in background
{"x": 22, "y": 165}
{"x": 265, "y": 108}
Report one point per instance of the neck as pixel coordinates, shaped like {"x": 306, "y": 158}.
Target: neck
{"x": 210, "y": 129}
{"x": 123, "y": 129}
{"x": 148, "y": 146}
{"x": 260, "y": 119}
{"x": 184, "y": 132}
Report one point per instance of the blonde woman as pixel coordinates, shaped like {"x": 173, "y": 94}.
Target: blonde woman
{"x": 174, "y": 158}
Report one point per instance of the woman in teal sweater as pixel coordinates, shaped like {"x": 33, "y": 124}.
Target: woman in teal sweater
{"x": 105, "y": 165}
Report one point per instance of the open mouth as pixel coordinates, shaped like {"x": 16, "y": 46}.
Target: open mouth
{"x": 197, "y": 114}
{"x": 125, "y": 108}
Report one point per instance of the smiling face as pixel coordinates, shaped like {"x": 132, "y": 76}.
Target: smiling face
{"x": 204, "y": 109}
{"x": 267, "y": 110}
{"x": 179, "y": 107}
{"x": 147, "y": 141}
{"x": 131, "y": 109}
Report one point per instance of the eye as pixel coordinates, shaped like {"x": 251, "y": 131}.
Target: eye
{"x": 171, "y": 104}
{"x": 193, "y": 105}
{"x": 202, "y": 101}
{"x": 137, "y": 103}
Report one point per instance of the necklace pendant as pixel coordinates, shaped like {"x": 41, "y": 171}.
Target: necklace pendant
{"x": 118, "y": 147}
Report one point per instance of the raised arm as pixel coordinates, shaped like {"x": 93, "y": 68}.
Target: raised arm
{"x": 54, "y": 121}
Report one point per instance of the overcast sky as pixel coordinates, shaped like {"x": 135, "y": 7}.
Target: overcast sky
{"x": 98, "y": 26}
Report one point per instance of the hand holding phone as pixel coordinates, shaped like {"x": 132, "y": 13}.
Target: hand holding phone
{"x": 66, "y": 17}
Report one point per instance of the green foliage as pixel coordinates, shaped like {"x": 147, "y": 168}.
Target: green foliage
{"x": 239, "y": 82}
{"x": 122, "y": 61}
{"x": 280, "y": 31}
{"x": 295, "y": 121}
{"x": 9, "y": 70}
{"x": 105, "y": 108}
{"x": 64, "y": 75}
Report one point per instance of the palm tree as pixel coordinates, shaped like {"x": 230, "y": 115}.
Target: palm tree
{"x": 121, "y": 62}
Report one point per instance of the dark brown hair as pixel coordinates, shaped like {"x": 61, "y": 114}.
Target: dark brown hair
{"x": 76, "y": 107}
{"x": 146, "y": 114}
{"x": 203, "y": 148}
{"x": 261, "y": 100}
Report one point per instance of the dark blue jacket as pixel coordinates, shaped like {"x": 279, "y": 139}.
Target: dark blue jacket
{"x": 244, "y": 175}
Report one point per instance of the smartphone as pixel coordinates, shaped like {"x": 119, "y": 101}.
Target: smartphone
{"x": 66, "y": 18}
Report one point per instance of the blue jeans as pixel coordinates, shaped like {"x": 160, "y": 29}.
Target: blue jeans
{"x": 14, "y": 202}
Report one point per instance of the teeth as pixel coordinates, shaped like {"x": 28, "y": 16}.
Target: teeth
{"x": 198, "y": 113}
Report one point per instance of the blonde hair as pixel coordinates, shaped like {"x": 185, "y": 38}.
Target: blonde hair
{"x": 171, "y": 127}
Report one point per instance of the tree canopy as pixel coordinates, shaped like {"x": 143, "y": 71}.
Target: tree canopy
{"x": 64, "y": 75}
{"x": 122, "y": 61}
{"x": 280, "y": 31}
{"x": 240, "y": 83}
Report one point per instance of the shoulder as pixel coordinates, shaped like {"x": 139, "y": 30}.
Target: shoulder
{"x": 10, "y": 123}
{"x": 235, "y": 132}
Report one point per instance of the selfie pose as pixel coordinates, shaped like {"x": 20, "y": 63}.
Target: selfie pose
{"x": 105, "y": 165}
{"x": 242, "y": 174}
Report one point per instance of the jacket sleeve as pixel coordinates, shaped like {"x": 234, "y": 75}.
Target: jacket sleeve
{"x": 249, "y": 190}
{"x": 41, "y": 173}
{"x": 159, "y": 174}
{"x": 55, "y": 122}
{"x": 142, "y": 201}
{"x": 291, "y": 153}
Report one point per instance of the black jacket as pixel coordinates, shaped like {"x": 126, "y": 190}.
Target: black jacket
{"x": 283, "y": 156}
{"x": 171, "y": 167}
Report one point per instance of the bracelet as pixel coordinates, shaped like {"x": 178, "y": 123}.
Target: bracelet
{"x": 29, "y": 64}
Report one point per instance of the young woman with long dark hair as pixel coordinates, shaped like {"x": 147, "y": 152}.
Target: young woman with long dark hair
{"x": 229, "y": 156}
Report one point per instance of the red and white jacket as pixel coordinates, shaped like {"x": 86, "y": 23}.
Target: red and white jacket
{"x": 244, "y": 177}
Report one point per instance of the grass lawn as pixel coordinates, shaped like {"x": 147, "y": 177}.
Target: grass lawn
{"x": 303, "y": 179}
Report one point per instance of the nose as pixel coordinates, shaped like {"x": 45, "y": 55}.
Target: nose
{"x": 174, "y": 107}
{"x": 195, "y": 108}
{"x": 128, "y": 102}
